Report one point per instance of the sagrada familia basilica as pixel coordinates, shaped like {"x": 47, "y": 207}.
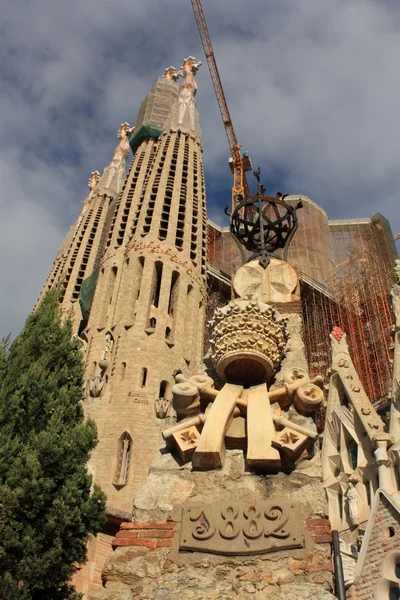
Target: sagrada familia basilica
{"x": 246, "y": 393}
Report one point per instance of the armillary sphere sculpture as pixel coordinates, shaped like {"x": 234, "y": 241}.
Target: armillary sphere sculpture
{"x": 264, "y": 225}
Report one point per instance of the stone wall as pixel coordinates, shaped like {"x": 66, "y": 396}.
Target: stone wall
{"x": 148, "y": 561}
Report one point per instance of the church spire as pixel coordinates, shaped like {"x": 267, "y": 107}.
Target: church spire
{"x": 114, "y": 174}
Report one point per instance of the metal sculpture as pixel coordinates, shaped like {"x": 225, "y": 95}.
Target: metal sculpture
{"x": 264, "y": 225}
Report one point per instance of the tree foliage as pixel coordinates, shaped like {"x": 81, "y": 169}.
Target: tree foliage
{"x": 47, "y": 507}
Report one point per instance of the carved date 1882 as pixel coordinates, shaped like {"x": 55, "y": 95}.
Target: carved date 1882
{"x": 241, "y": 528}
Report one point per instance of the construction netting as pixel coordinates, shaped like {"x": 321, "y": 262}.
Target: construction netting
{"x": 154, "y": 110}
{"x": 146, "y": 132}
{"x": 86, "y": 294}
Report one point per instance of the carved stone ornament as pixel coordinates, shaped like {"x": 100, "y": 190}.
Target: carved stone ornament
{"x": 96, "y": 385}
{"x": 397, "y": 269}
{"x": 249, "y": 338}
{"x": 241, "y": 528}
{"x": 187, "y": 90}
{"x": 162, "y": 406}
{"x": 276, "y": 283}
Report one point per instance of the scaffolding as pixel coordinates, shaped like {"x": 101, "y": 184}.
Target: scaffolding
{"x": 222, "y": 250}
{"x": 357, "y": 300}
{"x": 346, "y": 273}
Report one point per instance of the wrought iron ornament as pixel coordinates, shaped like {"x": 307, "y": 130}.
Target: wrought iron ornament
{"x": 264, "y": 225}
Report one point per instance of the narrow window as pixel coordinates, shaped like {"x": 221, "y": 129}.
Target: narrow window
{"x": 173, "y": 293}
{"x": 340, "y": 501}
{"x": 123, "y": 369}
{"x": 143, "y": 377}
{"x": 108, "y": 296}
{"x": 352, "y": 451}
{"x": 154, "y": 297}
{"x": 124, "y": 452}
{"x": 158, "y": 267}
{"x": 164, "y": 387}
{"x": 189, "y": 322}
{"x": 367, "y": 486}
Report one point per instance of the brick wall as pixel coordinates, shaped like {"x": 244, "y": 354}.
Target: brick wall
{"x": 384, "y": 539}
{"x": 89, "y": 575}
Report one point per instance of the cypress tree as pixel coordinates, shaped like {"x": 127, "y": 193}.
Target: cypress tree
{"x": 47, "y": 506}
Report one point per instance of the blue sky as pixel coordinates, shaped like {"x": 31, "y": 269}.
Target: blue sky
{"x": 312, "y": 86}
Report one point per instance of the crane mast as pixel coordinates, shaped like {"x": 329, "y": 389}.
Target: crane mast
{"x": 240, "y": 164}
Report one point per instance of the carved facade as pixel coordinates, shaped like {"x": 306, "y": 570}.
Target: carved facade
{"x": 150, "y": 293}
{"x": 244, "y": 468}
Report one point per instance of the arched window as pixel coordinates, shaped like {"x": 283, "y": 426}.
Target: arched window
{"x": 124, "y": 452}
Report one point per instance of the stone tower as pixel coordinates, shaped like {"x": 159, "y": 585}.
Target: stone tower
{"x": 80, "y": 252}
{"x": 148, "y": 309}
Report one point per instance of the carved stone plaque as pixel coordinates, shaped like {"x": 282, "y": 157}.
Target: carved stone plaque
{"x": 242, "y": 527}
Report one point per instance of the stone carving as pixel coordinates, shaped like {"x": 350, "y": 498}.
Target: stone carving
{"x": 162, "y": 406}
{"x": 343, "y": 365}
{"x": 397, "y": 269}
{"x": 289, "y": 441}
{"x": 186, "y": 441}
{"x": 93, "y": 180}
{"x": 353, "y": 431}
{"x": 248, "y": 341}
{"x": 249, "y": 419}
{"x": 113, "y": 175}
{"x": 187, "y": 91}
{"x": 185, "y": 393}
{"x": 352, "y": 503}
{"x": 277, "y": 283}
{"x": 156, "y": 248}
{"x": 249, "y": 338}
{"x": 241, "y": 528}
{"x": 349, "y": 554}
{"x": 170, "y": 73}
{"x": 96, "y": 385}
{"x": 107, "y": 350}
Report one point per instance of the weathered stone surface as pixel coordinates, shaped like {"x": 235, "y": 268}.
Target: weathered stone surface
{"x": 115, "y": 591}
{"x": 169, "y": 485}
{"x": 278, "y": 577}
{"x": 128, "y": 565}
{"x": 162, "y": 492}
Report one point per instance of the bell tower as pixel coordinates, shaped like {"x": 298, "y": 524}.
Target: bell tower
{"x": 149, "y": 303}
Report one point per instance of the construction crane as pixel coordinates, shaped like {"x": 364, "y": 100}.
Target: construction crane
{"x": 396, "y": 236}
{"x": 239, "y": 163}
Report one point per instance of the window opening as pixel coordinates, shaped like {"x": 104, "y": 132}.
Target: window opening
{"x": 143, "y": 377}
{"x": 123, "y": 459}
{"x": 352, "y": 451}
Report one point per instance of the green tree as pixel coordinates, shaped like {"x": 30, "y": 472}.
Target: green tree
{"x": 47, "y": 507}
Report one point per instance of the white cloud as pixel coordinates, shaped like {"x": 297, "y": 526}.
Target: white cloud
{"x": 312, "y": 88}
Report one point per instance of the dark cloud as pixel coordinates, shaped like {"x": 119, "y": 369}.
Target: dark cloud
{"x": 312, "y": 88}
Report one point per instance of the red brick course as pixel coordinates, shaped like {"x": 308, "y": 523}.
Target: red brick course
{"x": 117, "y": 542}
{"x": 320, "y": 530}
{"x": 148, "y": 535}
{"x": 148, "y": 525}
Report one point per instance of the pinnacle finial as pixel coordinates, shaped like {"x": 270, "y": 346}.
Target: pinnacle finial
{"x": 170, "y": 73}
{"x": 189, "y": 64}
{"x": 93, "y": 180}
{"x": 124, "y": 131}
